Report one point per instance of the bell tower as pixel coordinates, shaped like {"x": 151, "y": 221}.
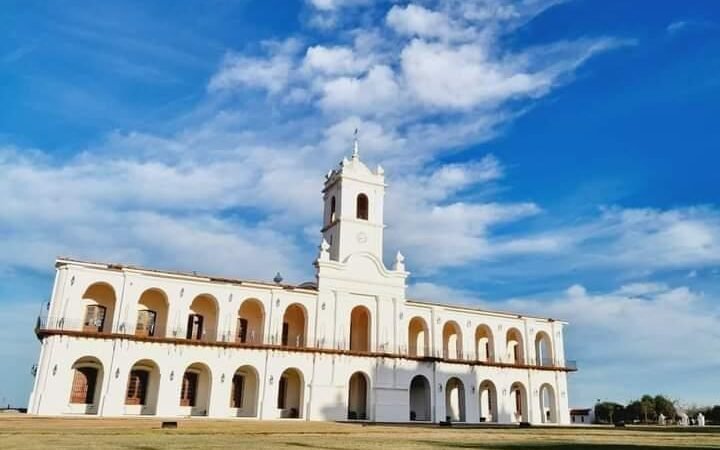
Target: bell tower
{"x": 353, "y": 217}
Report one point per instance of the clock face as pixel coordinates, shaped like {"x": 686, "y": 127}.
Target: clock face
{"x": 362, "y": 237}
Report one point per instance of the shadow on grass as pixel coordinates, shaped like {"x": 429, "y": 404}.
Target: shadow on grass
{"x": 553, "y": 446}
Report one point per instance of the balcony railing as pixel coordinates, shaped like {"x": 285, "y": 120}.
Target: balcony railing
{"x": 210, "y": 335}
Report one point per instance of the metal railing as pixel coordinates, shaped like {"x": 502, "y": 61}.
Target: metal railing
{"x": 211, "y": 335}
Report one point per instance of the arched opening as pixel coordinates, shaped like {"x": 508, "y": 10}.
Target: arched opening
{"x": 452, "y": 341}
{"x": 290, "y": 394}
{"x": 86, "y": 385}
{"x": 141, "y": 394}
{"x": 202, "y": 319}
{"x": 293, "y": 330}
{"x": 360, "y": 329}
{"x": 420, "y": 407}
{"x": 418, "y": 337}
{"x": 333, "y": 210}
{"x": 244, "y": 394}
{"x": 195, "y": 390}
{"x": 152, "y": 313}
{"x": 518, "y": 397}
{"x": 484, "y": 345}
{"x": 487, "y": 396}
{"x": 98, "y": 308}
{"x": 543, "y": 349}
{"x": 547, "y": 404}
{"x": 515, "y": 347}
{"x": 454, "y": 400}
{"x": 251, "y": 322}
{"x": 358, "y": 397}
{"x": 362, "y": 207}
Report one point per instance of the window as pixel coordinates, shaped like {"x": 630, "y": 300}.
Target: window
{"x": 146, "y": 323}
{"x": 332, "y": 209}
{"x": 518, "y": 402}
{"x": 282, "y": 392}
{"x": 238, "y": 388}
{"x": 189, "y": 389}
{"x": 137, "y": 387}
{"x": 83, "y": 387}
{"x": 242, "y": 330}
{"x": 94, "y": 318}
{"x": 362, "y": 207}
{"x": 195, "y": 327}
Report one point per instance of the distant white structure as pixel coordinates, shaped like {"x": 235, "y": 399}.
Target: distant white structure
{"x": 585, "y": 416}
{"x": 661, "y": 419}
{"x": 683, "y": 419}
{"x": 700, "y": 420}
{"x": 121, "y": 340}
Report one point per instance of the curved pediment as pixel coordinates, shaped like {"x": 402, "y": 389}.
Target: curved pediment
{"x": 365, "y": 264}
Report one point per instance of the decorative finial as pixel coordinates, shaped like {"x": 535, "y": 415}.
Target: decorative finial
{"x": 399, "y": 262}
{"x": 324, "y": 253}
{"x": 356, "y": 146}
{"x": 278, "y": 278}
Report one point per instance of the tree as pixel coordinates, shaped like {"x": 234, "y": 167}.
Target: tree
{"x": 608, "y": 412}
{"x": 664, "y": 406}
{"x": 647, "y": 406}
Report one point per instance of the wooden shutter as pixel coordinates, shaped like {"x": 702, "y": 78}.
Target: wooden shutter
{"x": 145, "y": 323}
{"x": 242, "y": 330}
{"x": 189, "y": 389}
{"x": 238, "y": 390}
{"x": 282, "y": 393}
{"x": 83, "y": 387}
{"x": 137, "y": 387}
{"x": 94, "y": 318}
{"x": 285, "y": 333}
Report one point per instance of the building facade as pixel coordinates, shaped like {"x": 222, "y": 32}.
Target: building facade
{"x": 121, "y": 340}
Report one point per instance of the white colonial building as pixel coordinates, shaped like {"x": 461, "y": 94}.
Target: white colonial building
{"x": 120, "y": 340}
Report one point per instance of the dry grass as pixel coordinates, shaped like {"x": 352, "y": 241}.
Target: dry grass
{"x": 23, "y": 432}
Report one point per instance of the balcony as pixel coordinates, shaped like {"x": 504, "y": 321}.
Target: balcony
{"x": 210, "y": 337}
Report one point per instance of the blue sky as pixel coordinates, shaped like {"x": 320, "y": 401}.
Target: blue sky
{"x": 549, "y": 157}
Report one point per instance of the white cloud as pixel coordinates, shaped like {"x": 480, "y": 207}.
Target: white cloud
{"x": 415, "y": 20}
{"x": 677, "y": 26}
{"x": 272, "y": 73}
{"x": 649, "y": 336}
{"x": 374, "y": 94}
{"x": 336, "y": 60}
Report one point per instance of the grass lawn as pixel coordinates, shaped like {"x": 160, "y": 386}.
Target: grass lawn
{"x": 26, "y": 432}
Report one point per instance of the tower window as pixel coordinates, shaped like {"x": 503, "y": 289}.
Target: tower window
{"x": 362, "y": 207}
{"x": 332, "y": 209}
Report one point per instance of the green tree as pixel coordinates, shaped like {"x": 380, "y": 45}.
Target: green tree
{"x": 647, "y": 406}
{"x": 664, "y": 406}
{"x": 609, "y": 412}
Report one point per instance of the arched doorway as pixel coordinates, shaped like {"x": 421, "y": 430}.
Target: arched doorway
{"x": 518, "y": 397}
{"x": 487, "y": 396}
{"x": 547, "y": 404}
{"x": 358, "y": 397}
{"x": 86, "y": 385}
{"x": 98, "y": 308}
{"x": 141, "y": 393}
{"x": 152, "y": 313}
{"x": 418, "y": 337}
{"x": 244, "y": 392}
{"x": 454, "y": 400}
{"x": 250, "y": 323}
{"x": 515, "y": 347}
{"x": 202, "y": 319}
{"x": 360, "y": 329}
{"x": 293, "y": 331}
{"x": 420, "y": 406}
{"x": 484, "y": 344}
{"x": 452, "y": 341}
{"x": 195, "y": 390}
{"x": 290, "y": 394}
{"x": 543, "y": 349}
